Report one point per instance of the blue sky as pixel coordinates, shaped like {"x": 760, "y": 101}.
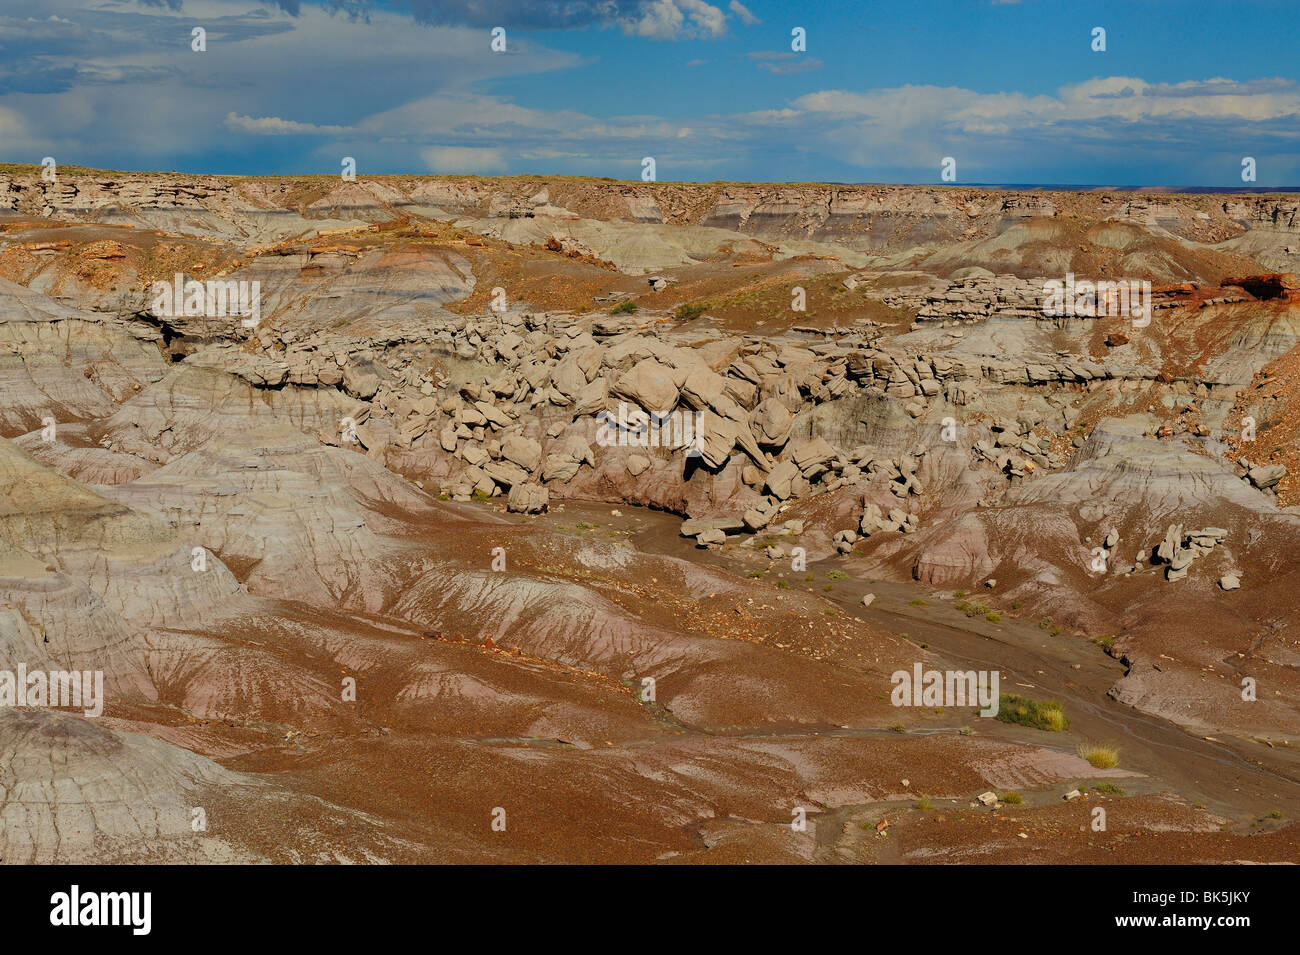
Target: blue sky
{"x": 1013, "y": 91}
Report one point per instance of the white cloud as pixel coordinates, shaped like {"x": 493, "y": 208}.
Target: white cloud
{"x": 667, "y": 20}
{"x": 740, "y": 10}
{"x": 275, "y": 126}
{"x": 401, "y": 96}
{"x": 784, "y": 62}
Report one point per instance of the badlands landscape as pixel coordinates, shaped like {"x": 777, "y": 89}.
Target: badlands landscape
{"x": 375, "y": 574}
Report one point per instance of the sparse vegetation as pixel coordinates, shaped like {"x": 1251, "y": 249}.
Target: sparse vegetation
{"x": 973, "y": 610}
{"x": 690, "y": 311}
{"x": 1012, "y": 798}
{"x": 1044, "y": 715}
{"x": 1099, "y": 756}
{"x": 624, "y": 308}
{"x": 1109, "y": 789}
{"x": 918, "y": 603}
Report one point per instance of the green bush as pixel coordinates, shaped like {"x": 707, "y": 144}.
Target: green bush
{"x": 1049, "y": 715}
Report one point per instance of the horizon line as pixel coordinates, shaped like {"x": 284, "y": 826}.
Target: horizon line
{"x": 36, "y": 169}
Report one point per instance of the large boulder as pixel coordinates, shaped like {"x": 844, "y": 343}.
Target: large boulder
{"x": 771, "y": 423}
{"x": 505, "y": 473}
{"x": 360, "y": 381}
{"x": 650, "y": 385}
{"x": 1267, "y": 475}
{"x": 812, "y": 457}
{"x": 566, "y": 458}
{"x": 591, "y": 399}
{"x": 712, "y": 536}
{"x": 560, "y": 467}
{"x": 569, "y": 379}
{"x": 703, "y": 389}
{"x": 695, "y": 526}
{"x": 523, "y": 451}
{"x": 528, "y": 499}
{"x": 715, "y": 438}
{"x": 779, "y": 482}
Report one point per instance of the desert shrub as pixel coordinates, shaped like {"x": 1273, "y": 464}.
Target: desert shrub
{"x": 1099, "y": 756}
{"x": 1044, "y": 715}
{"x": 690, "y": 311}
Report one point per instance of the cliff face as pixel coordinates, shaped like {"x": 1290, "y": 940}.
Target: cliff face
{"x": 859, "y": 217}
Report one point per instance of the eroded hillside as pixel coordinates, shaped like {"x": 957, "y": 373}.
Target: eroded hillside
{"x": 372, "y": 562}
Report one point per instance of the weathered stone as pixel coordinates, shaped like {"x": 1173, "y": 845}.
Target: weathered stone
{"x": 695, "y": 526}
{"x": 650, "y": 385}
{"x": 523, "y": 451}
{"x": 710, "y": 536}
{"x": 1266, "y": 476}
{"x": 771, "y": 424}
{"x": 528, "y": 499}
{"x": 811, "y": 457}
{"x": 360, "y": 381}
